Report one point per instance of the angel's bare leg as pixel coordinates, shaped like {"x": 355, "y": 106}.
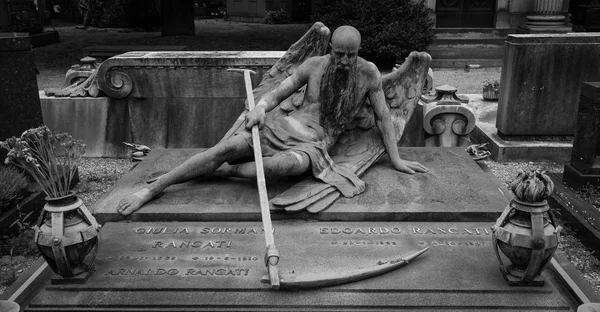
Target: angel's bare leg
{"x": 281, "y": 165}
{"x": 198, "y": 165}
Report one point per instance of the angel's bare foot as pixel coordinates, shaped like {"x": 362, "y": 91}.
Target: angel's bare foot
{"x": 134, "y": 202}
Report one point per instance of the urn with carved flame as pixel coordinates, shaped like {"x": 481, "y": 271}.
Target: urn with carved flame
{"x": 67, "y": 237}
{"x": 526, "y": 232}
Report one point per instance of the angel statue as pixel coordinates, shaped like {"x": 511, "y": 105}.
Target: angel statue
{"x": 332, "y": 115}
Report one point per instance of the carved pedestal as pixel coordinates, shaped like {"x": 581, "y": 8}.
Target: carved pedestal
{"x": 584, "y": 167}
{"x": 447, "y": 121}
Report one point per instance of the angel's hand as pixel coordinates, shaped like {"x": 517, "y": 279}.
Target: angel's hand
{"x": 409, "y": 167}
{"x": 256, "y": 117}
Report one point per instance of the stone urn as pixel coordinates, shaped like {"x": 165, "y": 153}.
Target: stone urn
{"x": 67, "y": 237}
{"x": 526, "y": 232}
{"x": 81, "y": 72}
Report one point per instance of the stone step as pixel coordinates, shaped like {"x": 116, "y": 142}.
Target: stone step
{"x": 455, "y": 48}
{"x": 472, "y": 33}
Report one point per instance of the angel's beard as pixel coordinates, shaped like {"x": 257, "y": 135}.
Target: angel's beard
{"x": 337, "y": 96}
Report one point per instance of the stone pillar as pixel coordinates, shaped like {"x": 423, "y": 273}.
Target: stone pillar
{"x": 41, "y": 6}
{"x": 431, "y": 6}
{"x": 502, "y": 14}
{"x": 547, "y": 17}
{"x": 19, "y": 99}
{"x": 585, "y": 157}
{"x": 4, "y": 14}
{"x": 541, "y": 81}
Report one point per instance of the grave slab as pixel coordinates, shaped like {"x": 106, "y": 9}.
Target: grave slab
{"x": 217, "y": 266}
{"x": 454, "y": 189}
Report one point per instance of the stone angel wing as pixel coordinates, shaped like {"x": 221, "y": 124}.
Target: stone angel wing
{"x": 361, "y": 147}
{"x": 313, "y": 43}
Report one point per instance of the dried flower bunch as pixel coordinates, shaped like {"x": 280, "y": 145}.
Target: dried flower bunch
{"x": 36, "y": 152}
{"x": 532, "y": 186}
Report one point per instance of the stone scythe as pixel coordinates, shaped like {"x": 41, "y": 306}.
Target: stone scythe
{"x": 311, "y": 280}
{"x": 272, "y": 255}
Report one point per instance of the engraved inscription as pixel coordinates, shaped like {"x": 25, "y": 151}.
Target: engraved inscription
{"x": 364, "y": 231}
{"x": 454, "y": 243}
{"x": 206, "y": 230}
{"x": 226, "y": 258}
{"x": 217, "y": 272}
{"x": 364, "y": 243}
{"x": 172, "y": 272}
{"x": 159, "y": 258}
{"x": 191, "y": 244}
{"x": 147, "y": 272}
{"x": 161, "y": 230}
{"x": 218, "y": 230}
{"x": 452, "y": 231}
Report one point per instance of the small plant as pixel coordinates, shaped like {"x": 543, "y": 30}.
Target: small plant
{"x": 35, "y": 152}
{"x": 12, "y": 182}
{"x": 491, "y": 84}
{"x": 491, "y": 88}
{"x": 277, "y": 17}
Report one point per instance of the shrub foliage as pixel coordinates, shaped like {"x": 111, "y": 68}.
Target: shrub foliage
{"x": 390, "y": 29}
{"x": 277, "y": 17}
{"x": 12, "y": 183}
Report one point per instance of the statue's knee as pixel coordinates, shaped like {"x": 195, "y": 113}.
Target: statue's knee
{"x": 300, "y": 162}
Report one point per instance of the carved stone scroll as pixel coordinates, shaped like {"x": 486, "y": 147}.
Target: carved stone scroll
{"x": 446, "y": 119}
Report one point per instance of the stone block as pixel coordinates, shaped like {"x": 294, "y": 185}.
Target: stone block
{"x": 541, "y": 81}
{"x": 460, "y": 191}
{"x": 177, "y": 266}
{"x": 108, "y": 51}
{"x": 585, "y": 157}
{"x": 101, "y": 123}
{"x": 587, "y": 134}
{"x": 525, "y": 149}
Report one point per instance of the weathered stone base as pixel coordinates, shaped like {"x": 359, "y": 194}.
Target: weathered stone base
{"x": 512, "y": 150}
{"x": 217, "y": 266}
{"x": 577, "y": 179}
{"x": 454, "y": 189}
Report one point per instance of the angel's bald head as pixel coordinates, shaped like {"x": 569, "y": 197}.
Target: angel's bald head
{"x": 345, "y": 43}
{"x": 347, "y": 37}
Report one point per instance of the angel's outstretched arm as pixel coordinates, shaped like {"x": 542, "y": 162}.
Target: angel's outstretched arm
{"x": 383, "y": 120}
{"x": 271, "y": 99}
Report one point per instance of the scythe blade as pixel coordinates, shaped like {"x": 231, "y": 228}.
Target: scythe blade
{"x": 319, "y": 280}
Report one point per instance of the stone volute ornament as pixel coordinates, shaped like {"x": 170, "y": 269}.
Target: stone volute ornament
{"x": 81, "y": 72}
{"x": 447, "y": 121}
{"x": 526, "y": 232}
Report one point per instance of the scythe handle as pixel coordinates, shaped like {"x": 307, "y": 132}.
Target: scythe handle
{"x": 272, "y": 255}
